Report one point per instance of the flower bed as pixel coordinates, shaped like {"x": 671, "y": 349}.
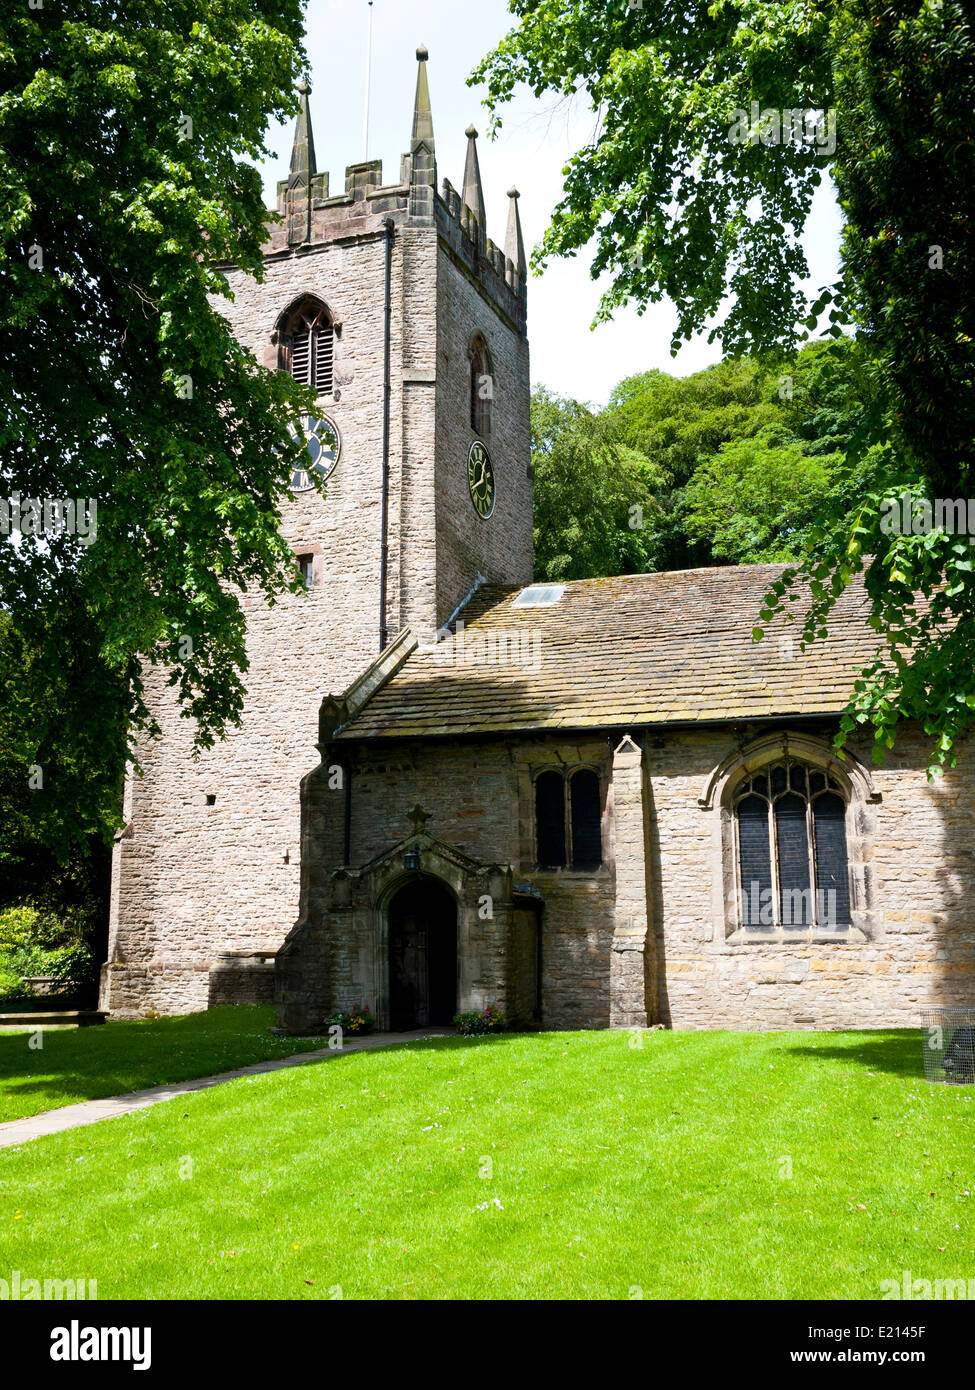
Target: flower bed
{"x": 357, "y": 1023}
{"x": 488, "y": 1020}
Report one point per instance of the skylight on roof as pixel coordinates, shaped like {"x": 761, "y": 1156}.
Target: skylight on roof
{"x": 539, "y": 596}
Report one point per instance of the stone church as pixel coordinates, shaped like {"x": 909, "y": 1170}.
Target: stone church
{"x": 592, "y": 804}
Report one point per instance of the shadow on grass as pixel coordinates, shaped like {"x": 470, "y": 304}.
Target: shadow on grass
{"x": 122, "y": 1056}
{"x": 452, "y": 1042}
{"x": 895, "y": 1051}
{"x": 898, "y": 1052}
{"x": 94, "y": 1063}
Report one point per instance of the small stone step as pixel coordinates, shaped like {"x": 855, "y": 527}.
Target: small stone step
{"x": 74, "y": 1018}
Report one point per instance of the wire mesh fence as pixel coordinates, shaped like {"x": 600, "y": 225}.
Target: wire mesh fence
{"x": 949, "y": 1045}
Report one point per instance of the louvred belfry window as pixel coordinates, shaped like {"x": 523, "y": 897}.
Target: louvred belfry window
{"x": 482, "y": 388}
{"x": 307, "y": 346}
{"x": 793, "y": 868}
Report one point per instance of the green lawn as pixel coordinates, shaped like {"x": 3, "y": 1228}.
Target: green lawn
{"x": 546, "y": 1166}
{"x": 85, "y": 1063}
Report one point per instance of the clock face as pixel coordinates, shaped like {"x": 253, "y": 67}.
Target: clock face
{"x": 322, "y": 446}
{"x": 480, "y": 479}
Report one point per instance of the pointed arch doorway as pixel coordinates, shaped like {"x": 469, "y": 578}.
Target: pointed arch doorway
{"x": 422, "y": 955}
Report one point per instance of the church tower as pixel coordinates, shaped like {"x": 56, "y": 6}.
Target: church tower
{"x": 411, "y": 323}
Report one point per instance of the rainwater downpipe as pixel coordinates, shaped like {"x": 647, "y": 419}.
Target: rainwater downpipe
{"x": 384, "y": 523}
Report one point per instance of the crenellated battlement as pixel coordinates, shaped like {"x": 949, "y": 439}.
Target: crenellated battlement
{"x": 312, "y": 217}
{"x": 501, "y": 275}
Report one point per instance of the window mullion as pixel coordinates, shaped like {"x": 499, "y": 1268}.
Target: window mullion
{"x": 811, "y": 852}
{"x": 774, "y": 865}
{"x": 567, "y": 805}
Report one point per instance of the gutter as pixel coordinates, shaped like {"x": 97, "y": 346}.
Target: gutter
{"x": 384, "y": 524}
{"x": 347, "y": 734}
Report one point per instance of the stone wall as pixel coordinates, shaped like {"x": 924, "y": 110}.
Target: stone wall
{"x": 498, "y": 548}
{"x": 919, "y": 947}
{"x": 478, "y": 799}
{"x": 241, "y": 978}
{"x": 210, "y": 857}
{"x": 194, "y": 879}
{"x": 921, "y": 875}
{"x": 523, "y": 951}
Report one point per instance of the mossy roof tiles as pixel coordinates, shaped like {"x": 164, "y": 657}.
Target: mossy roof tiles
{"x": 674, "y": 647}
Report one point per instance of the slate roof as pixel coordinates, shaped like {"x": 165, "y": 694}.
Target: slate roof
{"x": 642, "y": 649}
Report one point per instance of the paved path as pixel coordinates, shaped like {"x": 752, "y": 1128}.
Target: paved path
{"x": 89, "y": 1112}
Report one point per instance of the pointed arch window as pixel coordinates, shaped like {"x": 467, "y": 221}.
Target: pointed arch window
{"x": 793, "y": 869}
{"x": 482, "y": 387}
{"x": 307, "y": 345}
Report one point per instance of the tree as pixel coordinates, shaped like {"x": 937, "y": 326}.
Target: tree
{"x": 756, "y": 497}
{"x": 676, "y": 422}
{"x": 748, "y": 451}
{"x": 591, "y": 493}
{"x": 61, "y": 760}
{"x": 905, "y": 79}
{"x": 692, "y": 190}
{"x": 60, "y": 795}
{"x": 679, "y": 200}
{"x": 731, "y": 463}
{"x": 128, "y": 135}
{"x": 760, "y": 494}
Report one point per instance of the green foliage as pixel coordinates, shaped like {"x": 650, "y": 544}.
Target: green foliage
{"x": 73, "y": 965}
{"x": 586, "y": 483}
{"x": 27, "y": 928}
{"x": 756, "y": 497}
{"x": 732, "y": 463}
{"x": 905, "y": 75}
{"x": 56, "y": 814}
{"x": 128, "y": 135}
{"x": 676, "y": 421}
{"x": 35, "y": 942}
{"x": 62, "y": 741}
{"x": 12, "y": 988}
{"x": 679, "y": 209}
{"x": 906, "y": 81}
{"x": 359, "y": 1020}
{"x": 17, "y": 924}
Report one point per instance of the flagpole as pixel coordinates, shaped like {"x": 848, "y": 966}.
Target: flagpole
{"x": 365, "y": 113}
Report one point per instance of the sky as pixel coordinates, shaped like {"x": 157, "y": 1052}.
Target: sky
{"x": 536, "y": 139}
